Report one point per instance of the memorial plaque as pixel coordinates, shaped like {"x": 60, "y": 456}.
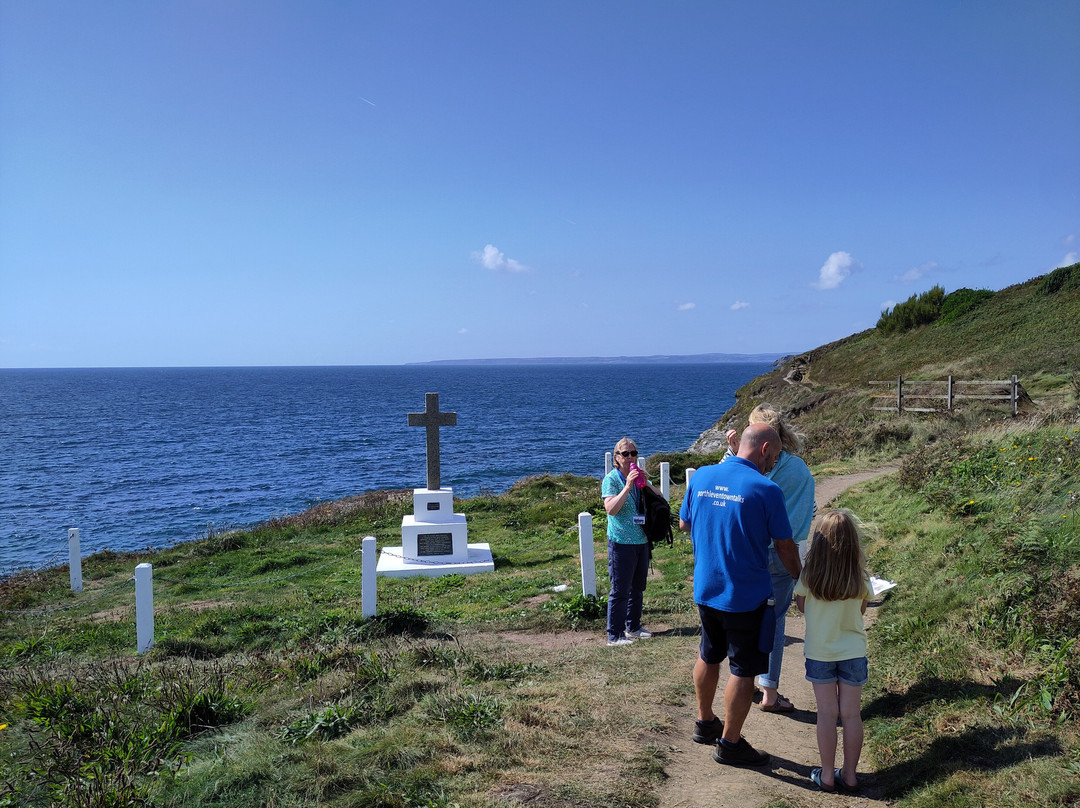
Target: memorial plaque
{"x": 434, "y": 544}
{"x": 433, "y": 506}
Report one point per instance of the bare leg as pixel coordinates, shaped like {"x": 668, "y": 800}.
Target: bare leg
{"x": 706, "y": 679}
{"x": 850, "y": 699}
{"x": 738, "y": 696}
{"x": 828, "y": 708}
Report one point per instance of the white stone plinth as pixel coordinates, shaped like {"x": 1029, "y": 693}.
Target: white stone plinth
{"x": 433, "y": 506}
{"x": 434, "y": 541}
{"x": 418, "y": 537}
{"x": 393, "y": 563}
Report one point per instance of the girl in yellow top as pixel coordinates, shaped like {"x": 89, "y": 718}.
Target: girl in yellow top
{"x": 833, "y": 592}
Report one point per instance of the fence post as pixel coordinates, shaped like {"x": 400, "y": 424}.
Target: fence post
{"x": 689, "y": 473}
{"x": 588, "y": 557}
{"x": 74, "y": 559}
{"x": 607, "y": 463}
{"x": 899, "y": 394}
{"x": 665, "y": 479}
{"x": 144, "y": 607}
{"x": 367, "y": 578}
{"x": 949, "y": 407}
{"x": 1014, "y": 396}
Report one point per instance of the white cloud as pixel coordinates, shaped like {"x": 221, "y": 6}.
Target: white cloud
{"x": 739, "y": 304}
{"x": 686, "y": 306}
{"x": 1069, "y": 259}
{"x": 492, "y": 258}
{"x": 920, "y": 271}
{"x": 463, "y": 331}
{"x": 836, "y": 269}
{"x": 888, "y": 304}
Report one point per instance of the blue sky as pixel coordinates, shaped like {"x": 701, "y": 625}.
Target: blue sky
{"x": 250, "y": 182}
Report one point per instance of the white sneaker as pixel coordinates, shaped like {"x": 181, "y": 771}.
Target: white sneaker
{"x": 620, "y": 641}
{"x": 640, "y": 634}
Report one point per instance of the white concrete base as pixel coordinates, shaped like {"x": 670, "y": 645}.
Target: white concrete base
{"x": 394, "y": 565}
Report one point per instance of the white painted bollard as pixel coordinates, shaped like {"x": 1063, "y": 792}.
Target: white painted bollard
{"x": 144, "y": 607}
{"x": 74, "y": 559}
{"x": 689, "y": 474}
{"x": 588, "y": 557}
{"x": 607, "y": 463}
{"x": 367, "y": 578}
{"x": 665, "y": 479}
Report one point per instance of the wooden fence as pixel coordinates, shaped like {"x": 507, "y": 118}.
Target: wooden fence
{"x": 948, "y": 391}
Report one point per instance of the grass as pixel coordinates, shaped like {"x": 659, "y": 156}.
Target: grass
{"x": 267, "y": 688}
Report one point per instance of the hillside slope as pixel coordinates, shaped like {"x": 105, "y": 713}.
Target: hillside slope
{"x": 1031, "y": 330}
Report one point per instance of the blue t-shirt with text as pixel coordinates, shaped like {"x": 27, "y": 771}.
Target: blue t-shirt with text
{"x": 734, "y": 513}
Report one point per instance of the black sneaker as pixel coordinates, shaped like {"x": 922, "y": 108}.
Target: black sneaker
{"x": 708, "y": 731}
{"x": 739, "y": 754}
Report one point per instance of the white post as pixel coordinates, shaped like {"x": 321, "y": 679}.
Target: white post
{"x": 665, "y": 479}
{"x": 367, "y": 578}
{"x": 144, "y": 607}
{"x": 74, "y": 559}
{"x": 607, "y": 463}
{"x": 588, "y": 557}
{"x": 689, "y": 474}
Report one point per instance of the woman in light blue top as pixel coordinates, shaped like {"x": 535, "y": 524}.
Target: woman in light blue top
{"x": 628, "y": 548}
{"x": 797, "y": 483}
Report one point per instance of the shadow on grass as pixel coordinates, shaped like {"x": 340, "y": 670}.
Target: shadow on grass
{"x": 977, "y": 748}
{"x": 984, "y": 749}
{"x": 929, "y": 691}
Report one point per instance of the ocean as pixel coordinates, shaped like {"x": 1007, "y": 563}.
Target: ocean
{"x": 147, "y": 457}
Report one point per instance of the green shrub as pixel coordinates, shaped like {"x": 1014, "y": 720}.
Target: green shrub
{"x": 961, "y": 302}
{"x": 1060, "y": 279}
{"x": 917, "y": 310}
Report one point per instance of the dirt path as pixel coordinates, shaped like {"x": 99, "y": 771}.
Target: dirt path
{"x": 696, "y": 781}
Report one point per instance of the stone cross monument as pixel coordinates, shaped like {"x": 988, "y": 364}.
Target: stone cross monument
{"x": 433, "y": 537}
{"x": 432, "y": 419}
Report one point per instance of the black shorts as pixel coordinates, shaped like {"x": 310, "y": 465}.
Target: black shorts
{"x": 733, "y": 635}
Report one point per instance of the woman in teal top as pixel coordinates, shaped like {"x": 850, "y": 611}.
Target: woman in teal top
{"x": 628, "y": 548}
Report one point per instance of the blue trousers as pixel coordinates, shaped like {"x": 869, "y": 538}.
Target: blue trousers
{"x": 628, "y": 568}
{"x": 783, "y": 586}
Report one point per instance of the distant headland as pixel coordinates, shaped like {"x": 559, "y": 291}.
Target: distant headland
{"x": 656, "y": 359}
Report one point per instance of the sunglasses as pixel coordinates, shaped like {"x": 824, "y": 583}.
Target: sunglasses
{"x": 631, "y": 453}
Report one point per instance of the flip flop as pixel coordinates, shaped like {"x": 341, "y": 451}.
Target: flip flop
{"x": 815, "y": 777}
{"x": 840, "y": 785}
{"x": 783, "y": 705}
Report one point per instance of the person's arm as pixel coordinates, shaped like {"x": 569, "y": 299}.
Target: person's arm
{"x": 788, "y": 554}
{"x": 615, "y": 503}
{"x": 732, "y": 438}
{"x": 800, "y": 602}
{"x": 684, "y": 526}
{"x": 863, "y": 607}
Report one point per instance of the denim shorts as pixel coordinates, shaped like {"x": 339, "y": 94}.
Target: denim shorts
{"x": 854, "y": 672}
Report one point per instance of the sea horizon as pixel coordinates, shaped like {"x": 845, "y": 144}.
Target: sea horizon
{"x": 141, "y": 458}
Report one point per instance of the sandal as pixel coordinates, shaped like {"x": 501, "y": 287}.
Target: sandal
{"x": 840, "y": 785}
{"x": 783, "y": 705}
{"x": 815, "y": 776}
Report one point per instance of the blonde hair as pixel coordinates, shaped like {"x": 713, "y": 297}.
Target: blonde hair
{"x": 791, "y": 439}
{"x": 624, "y": 442}
{"x": 835, "y": 567}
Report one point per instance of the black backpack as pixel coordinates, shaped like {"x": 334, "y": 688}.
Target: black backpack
{"x": 657, "y": 512}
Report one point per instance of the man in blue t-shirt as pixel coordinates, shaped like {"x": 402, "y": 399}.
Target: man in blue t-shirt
{"x": 732, "y": 512}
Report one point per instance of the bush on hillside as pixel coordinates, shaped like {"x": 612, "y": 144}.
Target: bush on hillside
{"x": 917, "y": 310}
{"x": 961, "y": 302}
{"x": 1060, "y": 279}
